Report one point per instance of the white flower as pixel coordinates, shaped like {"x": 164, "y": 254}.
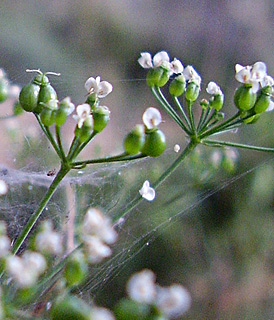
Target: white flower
{"x": 3, "y": 188}
{"x": 48, "y": 240}
{"x": 177, "y": 66}
{"x": 192, "y": 75}
{"x": 147, "y": 62}
{"x": 101, "y": 314}
{"x": 27, "y": 269}
{"x": 253, "y": 75}
{"x": 101, "y": 88}
{"x": 83, "y": 114}
{"x": 70, "y": 107}
{"x": 152, "y": 118}
{"x": 141, "y": 287}
{"x": 96, "y": 249}
{"x": 147, "y": 192}
{"x": 267, "y": 81}
{"x": 173, "y": 301}
{"x": 213, "y": 88}
{"x": 98, "y": 225}
{"x": 177, "y": 148}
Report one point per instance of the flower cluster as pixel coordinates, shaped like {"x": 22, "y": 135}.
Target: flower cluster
{"x": 97, "y": 234}
{"x": 169, "y": 302}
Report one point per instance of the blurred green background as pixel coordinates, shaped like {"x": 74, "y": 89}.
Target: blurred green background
{"x": 219, "y": 246}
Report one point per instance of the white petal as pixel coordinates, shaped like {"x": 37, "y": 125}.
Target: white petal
{"x": 160, "y": 58}
{"x": 145, "y": 61}
{"x": 177, "y": 148}
{"x": 213, "y": 88}
{"x": 270, "y": 107}
{"x": 192, "y": 75}
{"x": 152, "y": 118}
{"x": 104, "y": 88}
{"x": 244, "y": 75}
{"x": 238, "y": 68}
{"x": 267, "y": 81}
{"x": 177, "y": 66}
{"x": 147, "y": 192}
{"x": 91, "y": 85}
{"x": 258, "y": 71}
{"x": 3, "y": 187}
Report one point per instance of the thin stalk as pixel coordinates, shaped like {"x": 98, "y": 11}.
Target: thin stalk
{"x": 73, "y": 148}
{"x": 206, "y": 123}
{"x": 59, "y": 141}
{"x": 167, "y": 107}
{"x": 49, "y": 136}
{"x": 180, "y": 107}
{"x": 191, "y": 146}
{"x": 222, "y": 126}
{"x": 35, "y": 216}
{"x": 203, "y": 117}
{"x": 121, "y": 157}
{"x": 191, "y": 118}
{"x": 216, "y": 143}
{"x": 85, "y": 143}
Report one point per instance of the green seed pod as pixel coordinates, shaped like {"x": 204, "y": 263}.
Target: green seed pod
{"x": 216, "y": 102}
{"x": 76, "y": 269}
{"x": 100, "y": 118}
{"x": 66, "y": 107}
{"x": 252, "y": 119}
{"x": 135, "y": 140}
{"x": 47, "y": 116}
{"x": 192, "y": 91}
{"x": 163, "y": 79}
{"x": 244, "y": 98}
{"x": 84, "y": 132}
{"x": 4, "y": 90}
{"x": 155, "y": 143}
{"x": 47, "y": 97}
{"x": 177, "y": 86}
{"x": 28, "y": 97}
{"x": 154, "y": 76}
{"x": 91, "y": 100}
{"x": 70, "y": 308}
{"x": 262, "y": 102}
{"x": 128, "y": 309}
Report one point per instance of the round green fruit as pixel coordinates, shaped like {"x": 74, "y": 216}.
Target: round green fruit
{"x": 155, "y": 143}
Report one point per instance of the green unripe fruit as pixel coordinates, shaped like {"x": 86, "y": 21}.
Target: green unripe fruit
{"x": 163, "y": 79}
{"x": 28, "y": 97}
{"x": 47, "y": 97}
{"x": 100, "y": 118}
{"x": 84, "y": 132}
{"x": 70, "y": 308}
{"x": 216, "y": 102}
{"x": 262, "y": 103}
{"x": 155, "y": 143}
{"x": 76, "y": 269}
{"x": 192, "y": 91}
{"x": 177, "y": 86}
{"x": 41, "y": 79}
{"x": 130, "y": 310}
{"x": 91, "y": 100}
{"x": 244, "y": 98}
{"x": 135, "y": 140}
{"x": 154, "y": 76}
{"x": 4, "y": 90}
{"x": 47, "y": 116}
{"x": 252, "y": 119}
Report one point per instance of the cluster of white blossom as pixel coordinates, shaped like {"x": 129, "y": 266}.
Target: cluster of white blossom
{"x": 97, "y": 234}
{"x": 173, "y": 301}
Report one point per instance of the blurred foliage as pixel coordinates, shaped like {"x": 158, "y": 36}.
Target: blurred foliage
{"x": 219, "y": 246}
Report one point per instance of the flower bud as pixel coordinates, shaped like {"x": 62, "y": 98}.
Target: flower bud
{"x": 28, "y": 97}
{"x": 76, "y": 269}
{"x": 66, "y": 107}
{"x": 91, "y": 100}
{"x": 192, "y": 91}
{"x": 244, "y": 98}
{"x": 155, "y": 143}
{"x": 4, "y": 89}
{"x": 129, "y": 309}
{"x": 177, "y": 86}
{"x": 84, "y": 132}
{"x": 216, "y": 102}
{"x": 262, "y": 102}
{"x": 204, "y": 103}
{"x": 70, "y": 307}
{"x": 100, "y": 118}
{"x": 135, "y": 140}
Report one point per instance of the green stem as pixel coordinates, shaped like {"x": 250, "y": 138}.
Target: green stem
{"x": 73, "y": 148}
{"x": 85, "y": 143}
{"x": 49, "y": 136}
{"x": 219, "y": 128}
{"x": 179, "y": 106}
{"x": 191, "y": 118}
{"x": 59, "y": 141}
{"x": 207, "y": 121}
{"x": 34, "y": 217}
{"x": 216, "y": 143}
{"x": 120, "y": 157}
{"x": 167, "y": 107}
{"x": 190, "y": 147}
